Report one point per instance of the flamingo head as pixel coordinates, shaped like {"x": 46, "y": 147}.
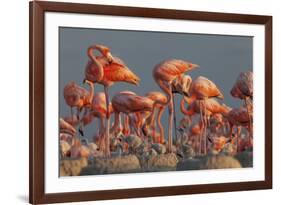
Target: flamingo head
{"x": 133, "y": 79}
{"x": 87, "y": 81}
{"x": 182, "y": 84}
{"x": 192, "y": 66}
{"x": 105, "y": 52}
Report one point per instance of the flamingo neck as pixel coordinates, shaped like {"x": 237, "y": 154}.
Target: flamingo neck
{"x": 190, "y": 100}
{"x": 96, "y": 62}
{"x": 183, "y": 109}
{"x": 91, "y": 96}
{"x": 168, "y": 90}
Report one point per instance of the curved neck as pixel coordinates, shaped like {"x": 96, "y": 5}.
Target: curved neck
{"x": 190, "y": 100}
{"x": 183, "y": 109}
{"x": 91, "y": 55}
{"x": 160, "y": 126}
{"x": 167, "y": 89}
{"x": 91, "y": 96}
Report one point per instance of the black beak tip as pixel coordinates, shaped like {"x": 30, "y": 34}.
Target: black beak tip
{"x": 186, "y": 94}
{"x": 81, "y": 132}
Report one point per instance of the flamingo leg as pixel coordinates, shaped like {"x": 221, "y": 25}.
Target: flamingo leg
{"x": 238, "y": 136}
{"x": 201, "y": 133}
{"x": 71, "y": 112}
{"x": 160, "y": 126}
{"x": 154, "y": 131}
{"x": 101, "y": 135}
{"x": 205, "y": 129}
{"x": 250, "y": 119}
{"x": 198, "y": 144}
{"x": 107, "y": 125}
{"x": 230, "y": 131}
{"x": 79, "y": 123}
{"x": 152, "y": 126}
{"x": 175, "y": 117}
{"x": 171, "y": 109}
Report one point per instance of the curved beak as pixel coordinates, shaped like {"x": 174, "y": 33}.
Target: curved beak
{"x": 186, "y": 94}
{"x": 137, "y": 83}
{"x": 192, "y": 66}
{"x": 84, "y": 81}
{"x": 109, "y": 57}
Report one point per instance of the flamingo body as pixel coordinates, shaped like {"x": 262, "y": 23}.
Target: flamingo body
{"x": 203, "y": 88}
{"x": 116, "y": 71}
{"x": 168, "y": 70}
{"x": 243, "y": 86}
{"x": 128, "y": 102}
{"x": 75, "y": 96}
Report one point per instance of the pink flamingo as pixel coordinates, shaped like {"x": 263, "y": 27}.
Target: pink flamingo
{"x": 211, "y": 107}
{"x": 240, "y": 117}
{"x": 65, "y": 127}
{"x": 202, "y": 89}
{"x": 128, "y": 102}
{"x": 98, "y": 110}
{"x": 243, "y": 89}
{"x": 181, "y": 86}
{"x": 107, "y": 70}
{"x": 160, "y": 97}
{"x": 195, "y": 131}
{"x": 76, "y": 96}
{"x": 164, "y": 74}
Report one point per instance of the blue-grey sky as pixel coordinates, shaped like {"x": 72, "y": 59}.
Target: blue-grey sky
{"x": 221, "y": 59}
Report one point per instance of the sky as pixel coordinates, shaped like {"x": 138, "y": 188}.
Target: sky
{"x": 221, "y": 58}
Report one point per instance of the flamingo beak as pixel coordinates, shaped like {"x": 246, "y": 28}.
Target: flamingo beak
{"x": 137, "y": 83}
{"x": 84, "y": 81}
{"x": 192, "y": 66}
{"x": 186, "y": 94}
{"x": 109, "y": 57}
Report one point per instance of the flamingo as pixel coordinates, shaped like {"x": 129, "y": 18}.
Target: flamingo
{"x": 240, "y": 117}
{"x": 99, "y": 110}
{"x": 128, "y": 102}
{"x": 195, "y": 131}
{"x": 106, "y": 70}
{"x": 160, "y": 97}
{"x": 181, "y": 86}
{"x": 76, "y": 96}
{"x": 243, "y": 89}
{"x": 202, "y": 89}
{"x": 65, "y": 127}
{"x": 164, "y": 74}
{"x": 211, "y": 107}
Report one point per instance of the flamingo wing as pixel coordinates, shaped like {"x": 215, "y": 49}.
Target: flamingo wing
{"x": 240, "y": 115}
{"x": 245, "y": 83}
{"x": 203, "y": 87}
{"x": 168, "y": 70}
{"x": 73, "y": 94}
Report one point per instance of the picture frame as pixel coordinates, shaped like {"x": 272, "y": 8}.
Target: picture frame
{"x": 37, "y": 90}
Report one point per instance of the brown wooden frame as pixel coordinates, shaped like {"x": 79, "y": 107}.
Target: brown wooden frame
{"x": 37, "y": 95}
